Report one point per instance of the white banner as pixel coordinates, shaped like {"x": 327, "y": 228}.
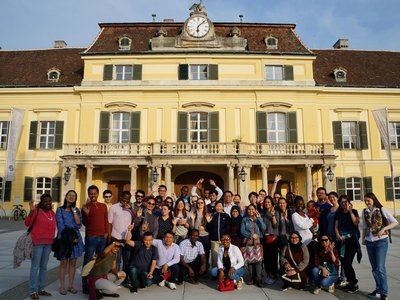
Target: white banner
{"x": 380, "y": 116}
{"x": 17, "y": 119}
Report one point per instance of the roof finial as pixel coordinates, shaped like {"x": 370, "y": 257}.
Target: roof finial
{"x": 198, "y": 8}
{"x": 154, "y": 17}
{"x": 241, "y": 18}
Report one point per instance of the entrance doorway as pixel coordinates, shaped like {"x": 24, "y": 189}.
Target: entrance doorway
{"x": 117, "y": 187}
{"x": 190, "y": 178}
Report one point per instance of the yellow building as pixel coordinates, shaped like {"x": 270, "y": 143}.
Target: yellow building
{"x": 199, "y": 99}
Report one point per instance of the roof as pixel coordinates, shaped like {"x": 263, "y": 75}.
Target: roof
{"x": 363, "y": 68}
{"x": 30, "y": 67}
{"x": 142, "y": 33}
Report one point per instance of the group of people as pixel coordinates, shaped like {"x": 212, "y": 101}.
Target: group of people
{"x": 164, "y": 240}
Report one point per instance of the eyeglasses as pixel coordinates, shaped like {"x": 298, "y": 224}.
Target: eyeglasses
{"x": 200, "y": 202}
{"x": 139, "y": 196}
{"x": 226, "y": 239}
{"x": 168, "y": 202}
{"x": 324, "y": 240}
{"x": 107, "y": 196}
{"x": 151, "y": 203}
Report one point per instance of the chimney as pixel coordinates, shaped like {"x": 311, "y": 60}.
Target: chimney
{"x": 341, "y": 44}
{"x": 168, "y": 21}
{"x": 60, "y": 44}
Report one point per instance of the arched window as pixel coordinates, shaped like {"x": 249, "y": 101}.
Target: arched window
{"x": 271, "y": 42}
{"x": 53, "y": 75}
{"x": 340, "y": 75}
{"x": 124, "y": 43}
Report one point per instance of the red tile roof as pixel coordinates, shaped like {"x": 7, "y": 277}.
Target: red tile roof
{"x": 364, "y": 68}
{"x": 30, "y": 67}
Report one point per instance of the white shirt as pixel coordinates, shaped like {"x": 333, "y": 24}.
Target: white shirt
{"x": 303, "y": 225}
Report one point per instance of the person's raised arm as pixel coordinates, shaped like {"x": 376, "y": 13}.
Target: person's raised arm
{"x": 278, "y": 177}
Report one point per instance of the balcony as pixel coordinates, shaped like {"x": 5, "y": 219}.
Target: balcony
{"x": 196, "y": 149}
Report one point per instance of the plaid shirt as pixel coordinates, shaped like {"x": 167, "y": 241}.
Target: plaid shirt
{"x": 189, "y": 252}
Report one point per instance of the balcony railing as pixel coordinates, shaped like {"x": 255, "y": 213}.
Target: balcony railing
{"x": 209, "y": 149}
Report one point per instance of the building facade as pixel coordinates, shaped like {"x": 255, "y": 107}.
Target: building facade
{"x": 199, "y": 99}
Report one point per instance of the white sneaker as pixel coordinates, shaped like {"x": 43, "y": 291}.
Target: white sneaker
{"x": 239, "y": 285}
{"x": 171, "y": 285}
{"x": 331, "y": 288}
{"x": 316, "y": 291}
{"x": 161, "y": 283}
{"x": 270, "y": 281}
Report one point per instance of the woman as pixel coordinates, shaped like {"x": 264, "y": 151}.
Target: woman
{"x": 285, "y": 222}
{"x": 377, "y": 222}
{"x": 199, "y": 219}
{"x": 252, "y": 229}
{"x": 271, "y": 246}
{"x": 170, "y": 202}
{"x": 230, "y": 263}
{"x": 326, "y": 263}
{"x": 68, "y": 216}
{"x": 218, "y": 226}
{"x": 42, "y": 235}
{"x": 294, "y": 262}
{"x": 182, "y": 225}
{"x": 166, "y": 222}
{"x": 235, "y": 223}
{"x": 347, "y": 236}
{"x": 301, "y": 222}
{"x": 327, "y": 217}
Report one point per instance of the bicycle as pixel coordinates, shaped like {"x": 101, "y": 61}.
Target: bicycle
{"x": 18, "y": 211}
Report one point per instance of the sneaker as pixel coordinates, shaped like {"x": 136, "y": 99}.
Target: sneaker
{"x": 133, "y": 290}
{"x": 284, "y": 288}
{"x": 352, "y": 288}
{"x": 161, "y": 283}
{"x": 239, "y": 285}
{"x": 317, "y": 291}
{"x": 331, "y": 288}
{"x": 170, "y": 285}
{"x": 383, "y": 297}
{"x": 342, "y": 283}
{"x": 374, "y": 294}
{"x": 270, "y": 281}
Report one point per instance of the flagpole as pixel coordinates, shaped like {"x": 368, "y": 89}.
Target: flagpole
{"x": 391, "y": 161}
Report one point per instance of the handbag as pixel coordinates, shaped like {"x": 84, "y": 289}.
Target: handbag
{"x": 270, "y": 238}
{"x": 291, "y": 278}
{"x": 166, "y": 276}
{"x": 226, "y": 285}
{"x": 252, "y": 253}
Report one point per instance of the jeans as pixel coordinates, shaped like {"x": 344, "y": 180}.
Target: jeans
{"x": 92, "y": 244}
{"x": 321, "y": 281}
{"x": 138, "y": 277}
{"x": 239, "y": 273}
{"x": 377, "y": 257}
{"x": 40, "y": 259}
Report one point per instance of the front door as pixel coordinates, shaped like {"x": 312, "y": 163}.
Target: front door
{"x": 117, "y": 187}
{"x": 190, "y": 178}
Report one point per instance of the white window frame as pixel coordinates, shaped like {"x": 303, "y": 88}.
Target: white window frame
{"x": 277, "y": 132}
{"x": 123, "y": 72}
{"x": 119, "y": 130}
{"x": 394, "y": 133}
{"x": 125, "y": 47}
{"x": 350, "y": 140}
{"x": 3, "y": 135}
{"x": 42, "y": 186}
{"x": 397, "y": 187}
{"x": 196, "y": 117}
{"x": 47, "y": 134}
{"x": 274, "y": 72}
{"x": 1, "y": 187}
{"x": 195, "y": 72}
{"x": 354, "y": 188}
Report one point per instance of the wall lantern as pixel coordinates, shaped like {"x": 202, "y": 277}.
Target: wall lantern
{"x": 67, "y": 174}
{"x": 242, "y": 174}
{"x": 154, "y": 174}
{"x": 329, "y": 174}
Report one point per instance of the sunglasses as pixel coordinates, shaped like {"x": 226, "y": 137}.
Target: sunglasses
{"x": 200, "y": 202}
{"x": 151, "y": 203}
{"x": 107, "y": 197}
{"x": 324, "y": 240}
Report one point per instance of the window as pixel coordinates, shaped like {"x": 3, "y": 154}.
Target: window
{"x": 271, "y": 42}
{"x": 123, "y": 72}
{"x": 276, "y": 127}
{"x": 394, "y": 132}
{"x": 53, "y": 75}
{"x": 5, "y": 187}
{"x": 198, "y": 72}
{"x": 350, "y": 135}
{"x": 389, "y": 188}
{"x": 278, "y": 72}
{"x": 353, "y": 188}
{"x": 340, "y": 75}
{"x": 198, "y": 127}
{"x": 124, "y": 43}
{"x": 35, "y": 187}
{"x": 3, "y": 134}
{"x": 46, "y": 135}
{"x": 43, "y": 186}
{"x": 120, "y": 128}
{"x": 198, "y": 130}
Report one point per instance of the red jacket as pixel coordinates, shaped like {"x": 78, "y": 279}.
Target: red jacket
{"x": 44, "y": 228}
{"x": 96, "y": 222}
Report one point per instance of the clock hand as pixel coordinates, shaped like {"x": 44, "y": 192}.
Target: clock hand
{"x": 198, "y": 26}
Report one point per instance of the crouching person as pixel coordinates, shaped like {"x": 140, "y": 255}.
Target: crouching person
{"x": 230, "y": 263}
{"x": 104, "y": 277}
{"x": 142, "y": 263}
{"x": 193, "y": 258}
{"x": 167, "y": 265}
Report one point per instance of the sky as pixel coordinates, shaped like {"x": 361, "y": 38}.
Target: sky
{"x": 35, "y": 24}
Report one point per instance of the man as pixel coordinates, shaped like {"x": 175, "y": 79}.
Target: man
{"x": 104, "y": 278}
{"x": 95, "y": 219}
{"x": 213, "y": 201}
{"x": 206, "y": 191}
{"x": 143, "y": 260}
{"x": 139, "y": 196}
{"x": 228, "y": 196}
{"x": 167, "y": 264}
{"x": 322, "y": 202}
{"x": 290, "y": 200}
{"x": 184, "y": 194}
{"x": 237, "y": 201}
{"x": 193, "y": 258}
{"x": 107, "y": 196}
{"x": 120, "y": 216}
{"x": 162, "y": 192}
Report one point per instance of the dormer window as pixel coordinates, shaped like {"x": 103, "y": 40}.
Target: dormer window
{"x": 124, "y": 43}
{"x": 340, "y": 75}
{"x": 53, "y": 75}
{"x": 271, "y": 42}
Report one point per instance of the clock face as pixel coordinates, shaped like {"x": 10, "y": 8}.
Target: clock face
{"x": 198, "y": 26}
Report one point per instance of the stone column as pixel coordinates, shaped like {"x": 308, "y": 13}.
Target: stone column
{"x": 149, "y": 179}
{"x": 89, "y": 174}
{"x": 133, "y": 168}
{"x": 309, "y": 182}
{"x": 168, "y": 183}
{"x": 231, "y": 177}
{"x": 264, "y": 177}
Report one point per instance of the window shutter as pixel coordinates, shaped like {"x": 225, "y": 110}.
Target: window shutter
{"x": 183, "y": 72}
{"x": 362, "y": 128}
{"x": 104, "y": 126}
{"x": 28, "y": 188}
{"x": 213, "y": 126}
{"x": 288, "y": 73}
{"x": 7, "y": 191}
{"x": 261, "y": 119}
{"x": 56, "y": 188}
{"x": 389, "y": 188}
{"x": 59, "y": 135}
{"x": 213, "y": 72}
{"x": 367, "y": 184}
{"x": 8, "y": 135}
{"x": 33, "y": 135}
{"x": 337, "y": 134}
{"x": 135, "y": 127}
{"x": 137, "y": 72}
{"x": 341, "y": 186}
{"x": 182, "y": 127}
{"x": 108, "y": 72}
{"x": 292, "y": 127}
